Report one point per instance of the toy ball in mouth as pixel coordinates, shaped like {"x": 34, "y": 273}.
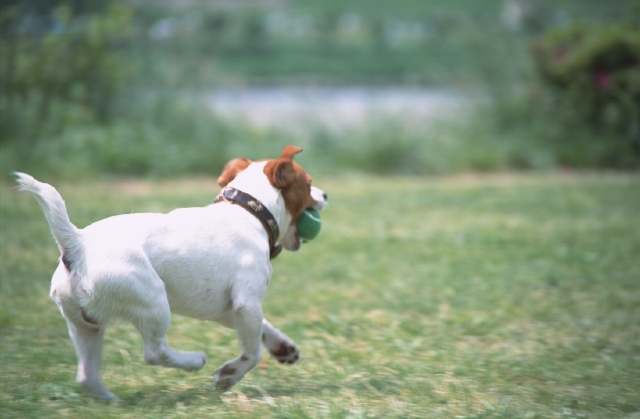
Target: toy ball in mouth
{"x": 309, "y": 224}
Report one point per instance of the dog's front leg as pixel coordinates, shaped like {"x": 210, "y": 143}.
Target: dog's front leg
{"x": 279, "y": 345}
{"x": 247, "y": 320}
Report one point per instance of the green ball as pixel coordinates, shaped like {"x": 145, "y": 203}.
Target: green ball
{"x": 309, "y": 224}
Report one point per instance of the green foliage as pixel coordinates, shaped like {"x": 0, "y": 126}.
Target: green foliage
{"x": 167, "y": 138}
{"x": 548, "y": 109}
{"x": 368, "y": 41}
{"x": 95, "y": 91}
{"x": 62, "y": 77}
{"x": 595, "y": 70}
{"x": 386, "y": 146}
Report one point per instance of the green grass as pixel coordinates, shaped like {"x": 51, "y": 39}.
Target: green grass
{"x": 493, "y": 296}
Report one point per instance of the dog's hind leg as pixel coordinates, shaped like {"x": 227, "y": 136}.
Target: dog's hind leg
{"x": 88, "y": 342}
{"x": 87, "y": 335}
{"x": 152, "y": 322}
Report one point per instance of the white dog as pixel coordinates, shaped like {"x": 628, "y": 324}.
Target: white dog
{"x": 210, "y": 263}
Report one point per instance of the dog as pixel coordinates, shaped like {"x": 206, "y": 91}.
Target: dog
{"x": 210, "y": 263}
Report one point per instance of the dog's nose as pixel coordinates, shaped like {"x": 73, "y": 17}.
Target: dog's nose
{"x": 318, "y": 195}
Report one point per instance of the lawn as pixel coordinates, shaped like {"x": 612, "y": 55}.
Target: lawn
{"x": 469, "y": 296}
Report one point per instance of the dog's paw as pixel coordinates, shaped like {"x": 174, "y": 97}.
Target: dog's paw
{"x": 225, "y": 378}
{"x": 286, "y": 353}
{"x": 193, "y": 361}
{"x": 103, "y": 394}
{"x": 199, "y": 360}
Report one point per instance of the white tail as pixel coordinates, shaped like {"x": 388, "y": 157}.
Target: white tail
{"x": 66, "y": 234}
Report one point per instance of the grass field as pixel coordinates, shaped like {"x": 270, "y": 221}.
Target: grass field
{"x": 493, "y": 296}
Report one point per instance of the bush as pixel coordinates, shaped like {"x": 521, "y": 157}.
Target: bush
{"x": 59, "y": 71}
{"x": 166, "y": 139}
{"x": 593, "y": 73}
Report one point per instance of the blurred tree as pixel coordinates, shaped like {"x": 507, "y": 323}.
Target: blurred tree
{"x": 254, "y": 32}
{"x": 215, "y": 26}
{"x": 595, "y": 70}
{"x": 327, "y": 28}
{"x": 43, "y": 7}
{"x": 59, "y": 65}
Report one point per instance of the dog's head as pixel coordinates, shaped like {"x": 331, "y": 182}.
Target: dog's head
{"x": 294, "y": 185}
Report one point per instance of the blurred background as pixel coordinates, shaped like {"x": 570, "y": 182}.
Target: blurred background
{"x": 163, "y": 88}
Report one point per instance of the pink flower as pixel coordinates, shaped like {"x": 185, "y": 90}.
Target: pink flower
{"x": 603, "y": 80}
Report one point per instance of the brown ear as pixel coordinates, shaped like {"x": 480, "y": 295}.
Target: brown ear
{"x": 232, "y": 169}
{"x": 281, "y": 172}
{"x": 290, "y": 151}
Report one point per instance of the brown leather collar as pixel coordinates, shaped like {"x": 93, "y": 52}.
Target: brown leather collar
{"x": 256, "y": 208}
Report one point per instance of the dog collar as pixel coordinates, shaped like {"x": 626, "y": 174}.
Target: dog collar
{"x": 256, "y": 208}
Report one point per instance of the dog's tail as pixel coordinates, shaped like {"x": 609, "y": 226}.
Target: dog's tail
{"x": 68, "y": 236}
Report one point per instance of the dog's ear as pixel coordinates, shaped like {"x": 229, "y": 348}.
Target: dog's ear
{"x": 232, "y": 169}
{"x": 281, "y": 172}
{"x": 290, "y": 151}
